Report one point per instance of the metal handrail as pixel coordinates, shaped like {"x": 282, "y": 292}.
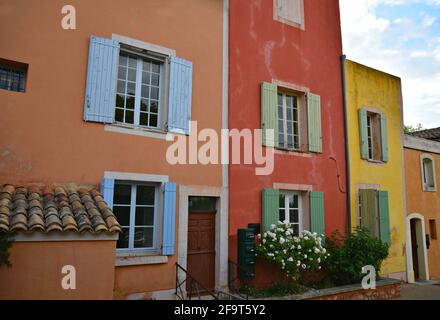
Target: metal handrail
{"x": 194, "y": 284}
{"x": 233, "y": 266}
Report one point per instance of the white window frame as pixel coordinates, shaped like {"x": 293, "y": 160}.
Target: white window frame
{"x": 163, "y": 74}
{"x": 287, "y": 196}
{"x": 283, "y": 17}
{"x": 156, "y": 227}
{"x": 426, "y": 187}
{"x": 284, "y": 119}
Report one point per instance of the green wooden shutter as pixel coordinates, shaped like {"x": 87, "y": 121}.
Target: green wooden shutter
{"x": 368, "y": 209}
{"x": 384, "y": 216}
{"x": 363, "y": 133}
{"x": 314, "y": 122}
{"x": 271, "y": 208}
{"x": 269, "y": 113}
{"x": 317, "y": 217}
{"x": 384, "y": 137}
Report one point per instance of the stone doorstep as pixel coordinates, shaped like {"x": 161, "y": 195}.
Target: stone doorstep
{"x": 313, "y": 294}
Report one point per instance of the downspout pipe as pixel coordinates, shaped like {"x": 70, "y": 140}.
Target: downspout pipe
{"x": 347, "y": 148}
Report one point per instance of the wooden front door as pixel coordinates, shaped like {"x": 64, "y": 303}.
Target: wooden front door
{"x": 415, "y": 247}
{"x": 201, "y": 250}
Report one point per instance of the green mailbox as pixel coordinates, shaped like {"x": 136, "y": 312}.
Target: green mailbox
{"x": 246, "y": 254}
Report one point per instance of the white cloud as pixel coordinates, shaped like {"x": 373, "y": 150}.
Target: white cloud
{"x": 388, "y": 45}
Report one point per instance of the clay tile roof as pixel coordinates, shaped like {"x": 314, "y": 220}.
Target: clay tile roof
{"x": 28, "y": 209}
{"x": 430, "y": 134}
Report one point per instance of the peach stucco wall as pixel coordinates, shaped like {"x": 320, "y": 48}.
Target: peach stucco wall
{"x": 44, "y": 138}
{"x": 36, "y": 271}
{"x": 424, "y": 203}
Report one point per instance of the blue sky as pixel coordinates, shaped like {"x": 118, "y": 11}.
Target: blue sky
{"x": 401, "y": 37}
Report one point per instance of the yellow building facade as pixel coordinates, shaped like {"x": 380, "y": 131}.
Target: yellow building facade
{"x": 374, "y": 127}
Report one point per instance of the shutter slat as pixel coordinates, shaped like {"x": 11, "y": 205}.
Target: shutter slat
{"x": 99, "y": 104}
{"x": 317, "y": 212}
{"x": 271, "y": 202}
{"x": 314, "y": 122}
{"x": 107, "y": 191}
{"x": 368, "y": 210}
{"x": 180, "y": 96}
{"x": 384, "y": 137}
{"x": 363, "y": 133}
{"x": 169, "y": 220}
{"x": 384, "y": 216}
{"x": 269, "y": 113}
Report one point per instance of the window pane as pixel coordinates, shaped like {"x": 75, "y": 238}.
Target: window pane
{"x": 282, "y": 200}
{"x": 295, "y": 228}
{"x": 129, "y": 116}
{"x": 119, "y": 101}
{"x": 206, "y": 204}
{"x": 143, "y": 121}
{"x": 154, "y": 93}
{"x": 122, "y": 73}
{"x": 122, "y": 60}
{"x": 143, "y": 237}
{"x": 122, "y": 194}
{"x": 155, "y": 79}
{"x": 153, "y": 120}
{"x": 155, "y": 67}
{"x": 132, "y": 75}
{"x": 130, "y": 103}
{"x": 289, "y": 127}
{"x": 294, "y": 216}
{"x": 282, "y": 215}
{"x": 123, "y": 239}
{"x": 145, "y": 195}
{"x": 131, "y": 88}
{"x": 280, "y": 100}
{"x": 144, "y": 216}
{"x": 146, "y": 78}
{"x": 119, "y": 115}
{"x": 146, "y": 66}
{"x": 132, "y": 62}
{"x": 122, "y": 214}
{"x": 289, "y": 101}
{"x": 144, "y": 105}
{"x": 293, "y": 202}
{"x": 154, "y": 106}
{"x": 121, "y": 87}
{"x": 145, "y": 92}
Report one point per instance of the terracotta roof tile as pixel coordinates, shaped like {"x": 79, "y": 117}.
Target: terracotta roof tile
{"x": 50, "y": 209}
{"x": 430, "y": 134}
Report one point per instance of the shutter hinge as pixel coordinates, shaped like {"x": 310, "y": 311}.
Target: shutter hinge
{"x": 88, "y": 102}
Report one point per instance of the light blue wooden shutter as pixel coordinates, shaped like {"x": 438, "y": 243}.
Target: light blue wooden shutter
{"x": 314, "y": 122}
{"x": 169, "y": 219}
{"x": 271, "y": 205}
{"x": 269, "y": 113}
{"x": 363, "y": 133}
{"x": 384, "y": 217}
{"x": 180, "y": 96}
{"x": 317, "y": 213}
{"x": 107, "y": 190}
{"x": 99, "y": 105}
{"x": 384, "y": 137}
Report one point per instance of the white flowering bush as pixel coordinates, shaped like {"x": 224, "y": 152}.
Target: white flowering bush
{"x": 292, "y": 253}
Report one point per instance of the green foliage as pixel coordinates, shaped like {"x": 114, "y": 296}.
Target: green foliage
{"x": 277, "y": 290}
{"x": 5, "y": 244}
{"x": 350, "y": 254}
{"x": 292, "y": 253}
{"x": 411, "y": 129}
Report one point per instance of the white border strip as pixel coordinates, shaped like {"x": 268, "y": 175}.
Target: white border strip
{"x": 136, "y": 177}
{"x": 64, "y": 236}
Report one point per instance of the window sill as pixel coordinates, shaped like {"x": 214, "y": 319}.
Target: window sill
{"x": 137, "y": 131}
{"x": 123, "y": 260}
{"x": 292, "y": 152}
{"x": 375, "y": 162}
{"x": 430, "y": 190}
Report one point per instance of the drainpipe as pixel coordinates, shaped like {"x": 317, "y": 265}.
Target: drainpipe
{"x": 347, "y": 149}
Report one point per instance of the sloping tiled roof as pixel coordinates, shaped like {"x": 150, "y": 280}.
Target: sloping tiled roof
{"x": 430, "y": 134}
{"x": 47, "y": 209}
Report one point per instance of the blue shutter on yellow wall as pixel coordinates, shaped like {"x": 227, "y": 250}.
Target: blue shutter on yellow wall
{"x": 169, "y": 219}
{"x": 269, "y": 113}
{"x": 271, "y": 205}
{"x": 314, "y": 122}
{"x": 317, "y": 213}
{"x": 384, "y": 137}
{"x": 363, "y": 133}
{"x": 384, "y": 217}
{"x": 99, "y": 104}
{"x": 107, "y": 190}
{"x": 180, "y": 96}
